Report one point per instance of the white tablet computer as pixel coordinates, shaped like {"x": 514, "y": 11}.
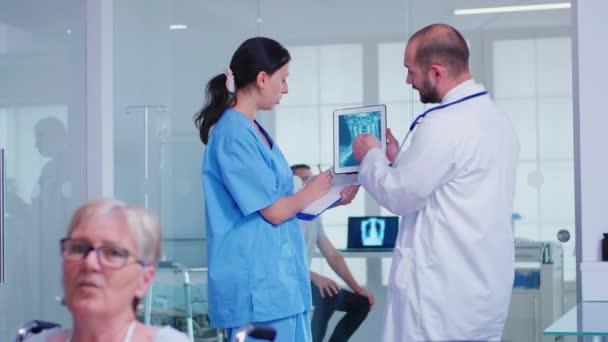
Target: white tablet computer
{"x": 350, "y": 122}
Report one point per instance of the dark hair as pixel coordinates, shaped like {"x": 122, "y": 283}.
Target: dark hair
{"x": 252, "y": 57}
{"x": 299, "y": 166}
{"x": 442, "y": 44}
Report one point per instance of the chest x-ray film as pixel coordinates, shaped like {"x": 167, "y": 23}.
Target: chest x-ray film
{"x": 350, "y": 122}
{"x": 372, "y": 232}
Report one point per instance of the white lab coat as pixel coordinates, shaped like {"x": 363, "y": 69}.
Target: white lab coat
{"x": 453, "y": 265}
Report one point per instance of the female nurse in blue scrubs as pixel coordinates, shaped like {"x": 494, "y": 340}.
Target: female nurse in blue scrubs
{"x": 258, "y": 270}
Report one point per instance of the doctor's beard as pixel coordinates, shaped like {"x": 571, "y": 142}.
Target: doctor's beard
{"x": 428, "y": 93}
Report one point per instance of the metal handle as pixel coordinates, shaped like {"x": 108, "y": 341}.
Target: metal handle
{"x": 259, "y": 331}
{"x": 2, "y": 254}
{"x": 563, "y": 235}
{"x": 33, "y": 327}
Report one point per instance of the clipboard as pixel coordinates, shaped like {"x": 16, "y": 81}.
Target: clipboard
{"x": 333, "y": 197}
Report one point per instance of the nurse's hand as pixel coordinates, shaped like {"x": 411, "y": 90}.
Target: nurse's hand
{"x": 319, "y": 185}
{"x": 326, "y": 286}
{"x": 348, "y": 194}
{"x": 363, "y": 143}
{"x": 392, "y": 146}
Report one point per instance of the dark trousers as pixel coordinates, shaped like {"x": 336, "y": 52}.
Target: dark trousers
{"x": 355, "y": 305}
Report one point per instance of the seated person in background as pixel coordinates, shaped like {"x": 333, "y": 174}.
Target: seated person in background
{"x": 109, "y": 255}
{"x": 327, "y": 296}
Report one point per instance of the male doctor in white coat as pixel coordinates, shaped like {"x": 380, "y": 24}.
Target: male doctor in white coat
{"x": 453, "y": 265}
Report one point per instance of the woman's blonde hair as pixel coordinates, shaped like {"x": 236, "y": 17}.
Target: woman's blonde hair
{"x": 143, "y": 226}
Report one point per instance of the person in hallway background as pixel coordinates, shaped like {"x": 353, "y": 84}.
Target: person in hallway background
{"x": 51, "y": 201}
{"x": 109, "y": 258}
{"x": 453, "y": 265}
{"x": 327, "y": 296}
{"x": 53, "y": 192}
{"x": 256, "y": 255}
{"x": 18, "y": 220}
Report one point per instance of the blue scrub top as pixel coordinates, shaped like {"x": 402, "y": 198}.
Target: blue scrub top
{"x": 257, "y": 271}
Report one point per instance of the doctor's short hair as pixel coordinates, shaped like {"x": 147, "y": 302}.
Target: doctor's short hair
{"x": 299, "y": 166}
{"x": 441, "y": 44}
{"x": 142, "y": 225}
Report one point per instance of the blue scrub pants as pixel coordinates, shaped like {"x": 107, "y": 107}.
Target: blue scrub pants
{"x": 291, "y": 329}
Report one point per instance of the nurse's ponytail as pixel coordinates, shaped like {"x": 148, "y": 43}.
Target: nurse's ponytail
{"x": 217, "y": 100}
{"x": 253, "y": 56}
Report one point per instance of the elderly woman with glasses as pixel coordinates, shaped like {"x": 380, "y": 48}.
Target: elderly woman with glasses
{"x": 109, "y": 260}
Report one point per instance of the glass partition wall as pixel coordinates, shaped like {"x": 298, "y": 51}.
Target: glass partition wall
{"x": 345, "y": 53}
{"x": 42, "y": 135}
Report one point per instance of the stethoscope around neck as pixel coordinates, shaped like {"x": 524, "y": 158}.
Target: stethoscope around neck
{"x": 419, "y": 118}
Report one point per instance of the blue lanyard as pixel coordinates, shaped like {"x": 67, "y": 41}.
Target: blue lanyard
{"x": 423, "y": 115}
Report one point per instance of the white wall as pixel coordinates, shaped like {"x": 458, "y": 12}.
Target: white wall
{"x": 590, "y": 120}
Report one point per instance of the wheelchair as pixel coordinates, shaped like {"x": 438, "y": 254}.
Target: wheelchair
{"x": 260, "y": 331}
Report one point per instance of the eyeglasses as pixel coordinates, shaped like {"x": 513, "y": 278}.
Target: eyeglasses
{"x": 112, "y": 257}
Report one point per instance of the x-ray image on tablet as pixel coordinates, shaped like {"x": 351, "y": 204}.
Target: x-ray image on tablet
{"x": 350, "y": 122}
